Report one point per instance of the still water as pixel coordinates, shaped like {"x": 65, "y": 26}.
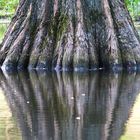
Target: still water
{"x": 69, "y": 106}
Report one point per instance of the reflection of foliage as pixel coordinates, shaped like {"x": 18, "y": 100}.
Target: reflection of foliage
{"x": 8, "y": 127}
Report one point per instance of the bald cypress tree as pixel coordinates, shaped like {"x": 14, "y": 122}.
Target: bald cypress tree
{"x": 71, "y": 35}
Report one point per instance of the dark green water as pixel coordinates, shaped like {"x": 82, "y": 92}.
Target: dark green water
{"x": 70, "y": 106}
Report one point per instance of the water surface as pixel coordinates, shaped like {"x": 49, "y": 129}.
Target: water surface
{"x": 71, "y": 106}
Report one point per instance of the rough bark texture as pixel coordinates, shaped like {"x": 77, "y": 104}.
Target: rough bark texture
{"x": 71, "y": 35}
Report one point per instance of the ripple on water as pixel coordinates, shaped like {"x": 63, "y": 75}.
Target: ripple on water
{"x": 132, "y": 130}
{"x": 8, "y": 128}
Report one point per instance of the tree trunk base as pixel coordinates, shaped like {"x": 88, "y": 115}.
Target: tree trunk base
{"x": 71, "y": 36}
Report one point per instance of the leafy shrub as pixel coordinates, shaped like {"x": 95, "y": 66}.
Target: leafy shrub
{"x": 8, "y": 7}
{"x": 133, "y": 7}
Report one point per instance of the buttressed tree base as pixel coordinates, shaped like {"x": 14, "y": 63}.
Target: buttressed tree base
{"x": 71, "y": 35}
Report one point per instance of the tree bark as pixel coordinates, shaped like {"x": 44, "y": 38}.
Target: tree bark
{"x": 71, "y": 35}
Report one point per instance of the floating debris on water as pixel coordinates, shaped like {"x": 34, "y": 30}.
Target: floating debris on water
{"x": 72, "y": 98}
{"x": 101, "y": 68}
{"x": 77, "y": 118}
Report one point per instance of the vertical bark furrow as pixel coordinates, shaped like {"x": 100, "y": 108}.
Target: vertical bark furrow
{"x": 69, "y": 50}
{"x": 14, "y": 30}
{"x": 15, "y": 50}
{"x": 110, "y": 53}
{"x": 67, "y": 63}
{"x": 25, "y": 55}
{"x": 40, "y": 36}
{"x": 26, "y": 50}
{"x": 81, "y": 58}
{"x": 44, "y": 17}
{"x": 128, "y": 41}
{"x": 89, "y": 20}
{"x": 20, "y": 13}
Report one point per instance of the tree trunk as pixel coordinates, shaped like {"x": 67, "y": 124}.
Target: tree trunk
{"x": 71, "y": 35}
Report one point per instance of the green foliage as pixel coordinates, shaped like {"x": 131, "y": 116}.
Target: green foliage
{"x": 8, "y": 7}
{"x": 3, "y": 28}
{"x": 133, "y": 7}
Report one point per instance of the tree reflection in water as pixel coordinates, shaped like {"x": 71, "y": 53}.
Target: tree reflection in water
{"x": 70, "y": 106}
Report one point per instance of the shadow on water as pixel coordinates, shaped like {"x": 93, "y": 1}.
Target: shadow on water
{"x": 70, "y": 106}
